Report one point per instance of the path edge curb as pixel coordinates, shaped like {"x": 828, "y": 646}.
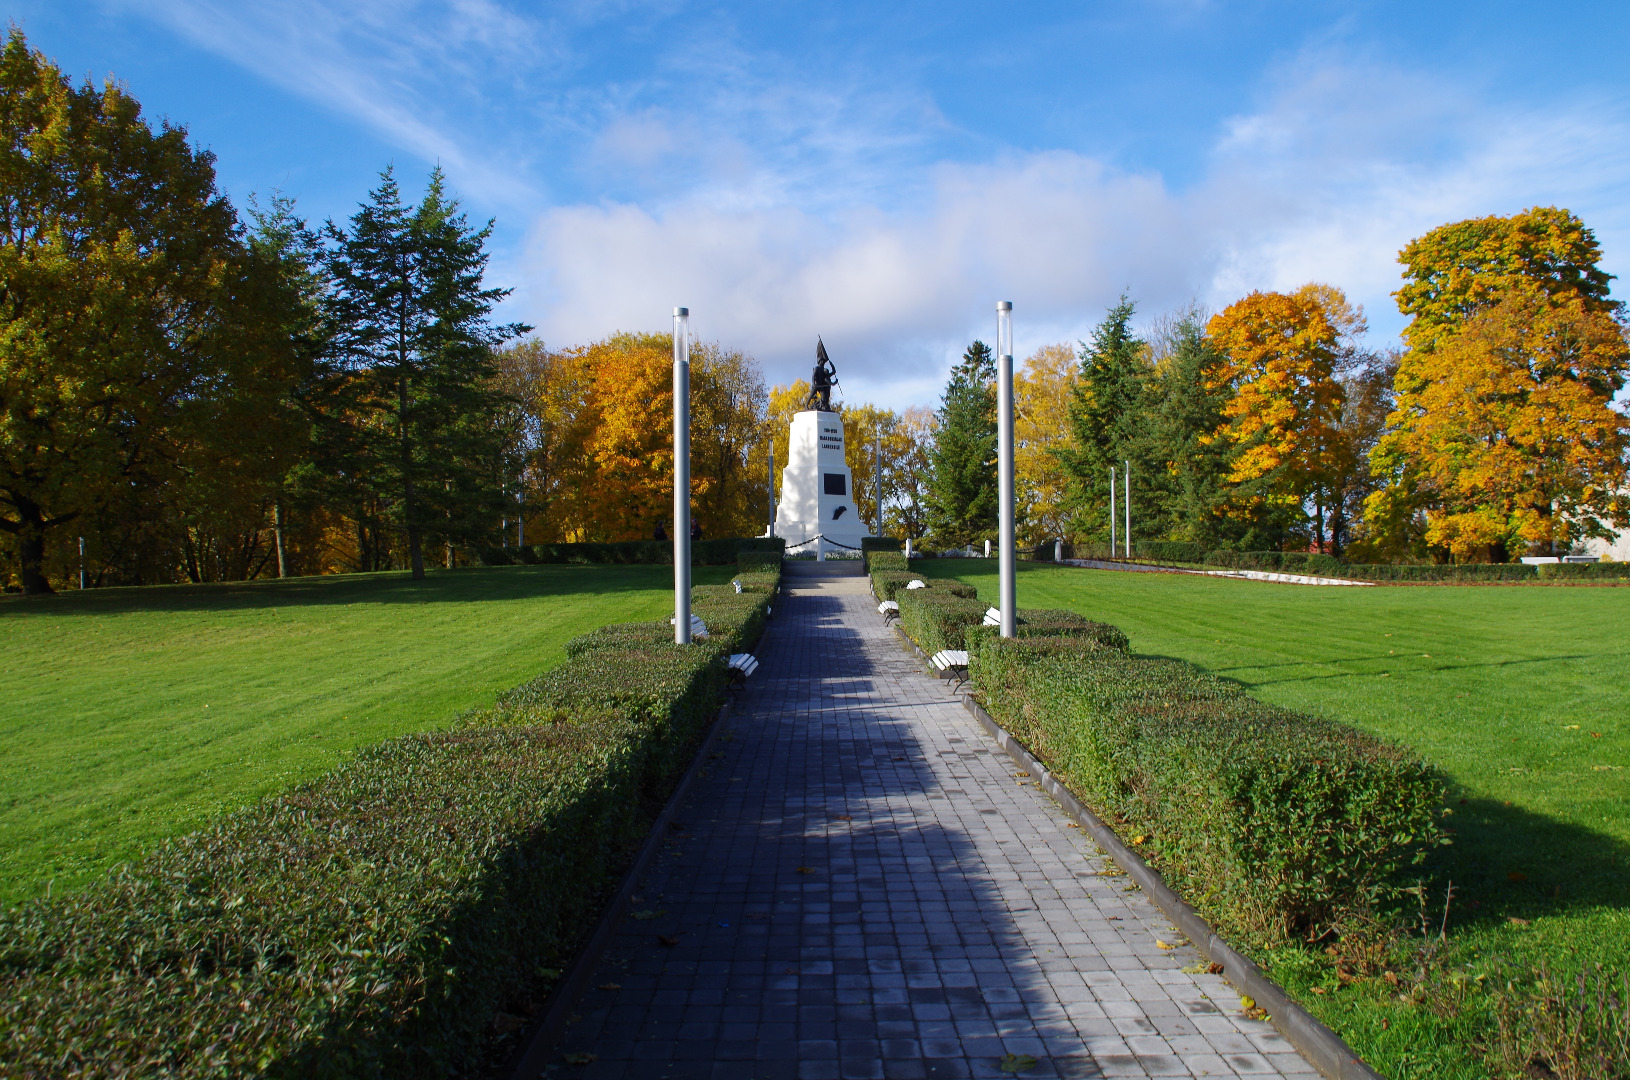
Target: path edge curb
{"x": 545, "y": 1037}
{"x": 1320, "y": 1045}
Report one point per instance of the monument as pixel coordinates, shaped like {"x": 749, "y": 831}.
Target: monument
{"x": 816, "y": 486}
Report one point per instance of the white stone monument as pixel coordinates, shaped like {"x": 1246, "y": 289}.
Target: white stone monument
{"x": 816, "y": 486}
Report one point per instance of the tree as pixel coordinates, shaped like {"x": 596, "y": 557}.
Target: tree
{"x": 1106, "y": 418}
{"x": 1460, "y": 269}
{"x": 130, "y": 336}
{"x": 413, "y": 316}
{"x": 912, "y": 472}
{"x": 1188, "y": 477}
{"x": 1280, "y": 356}
{"x": 1504, "y": 433}
{"x": 962, "y": 492}
{"x": 1042, "y": 391}
{"x": 549, "y": 392}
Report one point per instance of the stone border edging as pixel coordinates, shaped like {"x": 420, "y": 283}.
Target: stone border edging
{"x": 1323, "y": 1048}
{"x": 545, "y": 1037}
{"x": 1247, "y": 575}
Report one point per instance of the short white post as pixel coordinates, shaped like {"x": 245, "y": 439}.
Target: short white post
{"x": 1058, "y": 551}
{"x": 908, "y": 547}
{"x": 987, "y": 549}
{"x": 1007, "y": 589}
{"x": 682, "y": 475}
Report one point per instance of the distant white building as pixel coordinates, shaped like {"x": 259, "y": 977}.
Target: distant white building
{"x": 1614, "y": 550}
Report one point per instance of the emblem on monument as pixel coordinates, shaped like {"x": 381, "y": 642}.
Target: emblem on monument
{"x": 822, "y": 380}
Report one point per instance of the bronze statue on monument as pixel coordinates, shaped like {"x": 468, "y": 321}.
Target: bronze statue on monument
{"x": 822, "y": 380}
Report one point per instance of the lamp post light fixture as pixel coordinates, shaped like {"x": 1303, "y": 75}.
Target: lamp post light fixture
{"x": 1008, "y": 590}
{"x": 682, "y": 475}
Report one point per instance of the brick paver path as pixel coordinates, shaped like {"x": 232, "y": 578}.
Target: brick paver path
{"x": 860, "y": 886}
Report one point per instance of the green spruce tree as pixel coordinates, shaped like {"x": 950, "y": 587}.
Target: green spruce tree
{"x": 962, "y": 489}
{"x": 1108, "y": 424}
{"x": 412, "y": 320}
{"x": 1186, "y": 475}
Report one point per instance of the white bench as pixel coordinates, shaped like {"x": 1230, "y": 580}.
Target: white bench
{"x": 993, "y": 617}
{"x": 742, "y": 665}
{"x": 698, "y": 628}
{"x": 916, "y": 583}
{"x": 889, "y": 609}
{"x": 952, "y": 660}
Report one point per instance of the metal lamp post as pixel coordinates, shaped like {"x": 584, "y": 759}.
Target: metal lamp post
{"x": 1127, "y": 489}
{"x": 877, "y": 474}
{"x": 682, "y": 475}
{"x": 1112, "y": 511}
{"x": 1008, "y": 591}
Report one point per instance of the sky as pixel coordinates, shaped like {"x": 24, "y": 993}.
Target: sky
{"x": 882, "y": 174}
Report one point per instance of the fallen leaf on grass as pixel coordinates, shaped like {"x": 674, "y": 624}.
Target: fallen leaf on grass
{"x": 1571, "y": 727}
{"x": 1017, "y": 1063}
{"x": 1140, "y": 838}
{"x": 581, "y": 1058}
{"x": 665, "y": 940}
{"x": 1514, "y": 921}
{"x": 1605, "y": 768}
{"x": 1317, "y": 990}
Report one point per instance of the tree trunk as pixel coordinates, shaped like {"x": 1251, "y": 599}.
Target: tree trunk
{"x": 277, "y": 536}
{"x": 410, "y": 509}
{"x": 31, "y": 547}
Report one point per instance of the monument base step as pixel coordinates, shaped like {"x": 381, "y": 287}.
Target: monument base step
{"x": 832, "y": 568}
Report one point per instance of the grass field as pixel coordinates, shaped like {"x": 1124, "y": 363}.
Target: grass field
{"x": 129, "y": 715}
{"x": 1520, "y": 695}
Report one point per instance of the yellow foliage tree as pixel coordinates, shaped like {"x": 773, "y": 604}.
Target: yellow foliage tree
{"x": 1280, "y": 353}
{"x": 1041, "y": 423}
{"x": 1504, "y": 431}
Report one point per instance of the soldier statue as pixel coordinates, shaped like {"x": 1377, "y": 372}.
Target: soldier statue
{"x": 821, "y": 382}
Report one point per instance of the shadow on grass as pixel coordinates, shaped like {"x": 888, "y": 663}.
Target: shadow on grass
{"x": 1507, "y": 862}
{"x": 465, "y": 585}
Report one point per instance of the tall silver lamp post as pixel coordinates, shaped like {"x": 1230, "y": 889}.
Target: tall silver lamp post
{"x": 1127, "y": 494}
{"x": 1112, "y": 511}
{"x": 877, "y": 474}
{"x": 1008, "y": 592}
{"x": 770, "y": 484}
{"x": 682, "y": 475}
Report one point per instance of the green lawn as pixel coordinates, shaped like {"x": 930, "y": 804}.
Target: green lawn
{"x": 129, "y": 715}
{"x": 1520, "y": 694}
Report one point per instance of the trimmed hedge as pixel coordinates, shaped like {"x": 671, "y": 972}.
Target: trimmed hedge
{"x": 886, "y": 560}
{"x": 936, "y": 618}
{"x": 1273, "y": 823}
{"x": 1608, "y": 571}
{"x": 885, "y": 583}
{"x": 881, "y": 543}
{"x": 1054, "y": 625}
{"x": 722, "y": 552}
{"x": 759, "y": 562}
{"x": 369, "y": 924}
{"x": 375, "y": 922}
{"x": 1169, "y": 551}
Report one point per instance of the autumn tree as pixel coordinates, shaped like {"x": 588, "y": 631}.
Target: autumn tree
{"x": 1504, "y": 433}
{"x": 912, "y": 473}
{"x": 962, "y": 491}
{"x": 1279, "y": 360}
{"x": 1458, "y": 270}
{"x": 728, "y": 403}
{"x": 1503, "y": 436}
{"x": 548, "y": 394}
{"x": 412, "y": 314}
{"x": 134, "y": 316}
{"x": 1042, "y": 391}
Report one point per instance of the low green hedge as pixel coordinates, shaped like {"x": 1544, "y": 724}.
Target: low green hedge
{"x": 1607, "y": 571}
{"x": 1179, "y": 551}
{"x": 881, "y": 543}
{"x": 759, "y": 562}
{"x": 877, "y": 561}
{"x": 1273, "y": 823}
{"x": 885, "y": 583}
{"x": 1052, "y": 624}
{"x": 722, "y": 552}
{"x": 936, "y": 618}
{"x": 374, "y": 922}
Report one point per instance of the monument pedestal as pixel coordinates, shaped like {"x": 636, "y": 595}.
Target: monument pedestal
{"x": 816, "y": 486}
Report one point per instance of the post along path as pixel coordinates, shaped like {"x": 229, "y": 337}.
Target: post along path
{"x": 861, "y": 886}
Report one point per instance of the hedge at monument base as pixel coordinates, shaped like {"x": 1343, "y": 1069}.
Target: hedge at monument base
{"x": 721, "y": 552}
{"x": 376, "y": 921}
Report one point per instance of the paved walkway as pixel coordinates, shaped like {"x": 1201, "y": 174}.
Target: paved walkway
{"x": 861, "y": 886}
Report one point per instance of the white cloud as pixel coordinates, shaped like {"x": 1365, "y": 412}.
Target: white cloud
{"x": 1336, "y": 171}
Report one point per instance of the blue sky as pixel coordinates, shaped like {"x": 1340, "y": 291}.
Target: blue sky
{"x": 881, "y": 174}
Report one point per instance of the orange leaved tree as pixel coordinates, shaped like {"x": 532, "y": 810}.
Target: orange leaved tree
{"x": 1504, "y": 433}
{"x": 1280, "y": 354}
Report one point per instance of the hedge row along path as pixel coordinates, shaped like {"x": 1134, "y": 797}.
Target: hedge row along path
{"x": 860, "y": 886}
